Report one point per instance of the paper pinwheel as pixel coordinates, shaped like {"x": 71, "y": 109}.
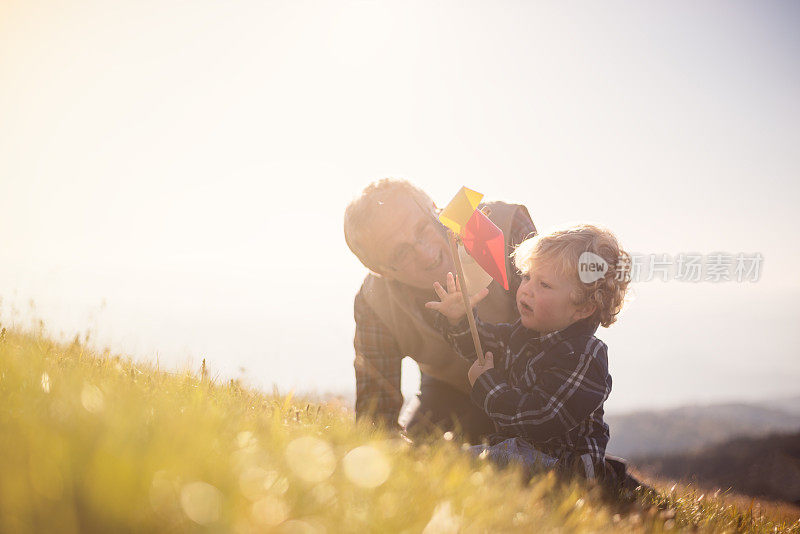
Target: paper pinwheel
{"x": 482, "y": 239}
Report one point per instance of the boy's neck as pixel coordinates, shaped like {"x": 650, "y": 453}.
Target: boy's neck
{"x": 541, "y": 334}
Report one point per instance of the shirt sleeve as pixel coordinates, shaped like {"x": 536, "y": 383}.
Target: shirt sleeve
{"x": 560, "y": 397}
{"x": 493, "y": 337}
{"x": 377, "y": 367}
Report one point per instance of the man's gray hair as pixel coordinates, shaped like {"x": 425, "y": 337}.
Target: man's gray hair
{"x": 362, "y": 211}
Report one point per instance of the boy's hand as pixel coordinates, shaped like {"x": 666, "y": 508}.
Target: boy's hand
{"x": 477, "y": 369}
{"x": 451, "y": 303}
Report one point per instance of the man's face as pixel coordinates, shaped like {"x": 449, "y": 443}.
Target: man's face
{"x": 410, "y": 244}
{"x": 543, "y": 300}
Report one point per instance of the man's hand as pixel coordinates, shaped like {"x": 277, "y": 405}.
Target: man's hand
{"x": 451, "y": 303}
{"x": 477, "y": 369}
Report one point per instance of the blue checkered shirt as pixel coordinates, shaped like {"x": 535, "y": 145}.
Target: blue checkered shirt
{"x": 546, "y": 389}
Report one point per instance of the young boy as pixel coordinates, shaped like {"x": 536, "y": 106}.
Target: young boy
{"x": 545, "y": 376}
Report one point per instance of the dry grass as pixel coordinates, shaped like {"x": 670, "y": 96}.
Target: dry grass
{"x": 97, "y": 443}
{"x": 777, "y": 510}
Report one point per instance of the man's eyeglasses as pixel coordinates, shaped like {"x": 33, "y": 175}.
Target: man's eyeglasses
{"x": 404, "y": 254}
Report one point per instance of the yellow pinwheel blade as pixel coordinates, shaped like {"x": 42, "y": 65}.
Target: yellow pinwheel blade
{"x": 456, "y": 214}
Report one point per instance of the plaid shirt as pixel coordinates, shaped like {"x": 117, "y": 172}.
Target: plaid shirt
{"x": 548, "y": 390}
{"x": 378, "y": 357}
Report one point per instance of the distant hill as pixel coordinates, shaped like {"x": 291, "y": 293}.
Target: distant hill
{"x": 768, "y": 466}
{"x": 789, "y": 404}
{"x": 691, "y": 428}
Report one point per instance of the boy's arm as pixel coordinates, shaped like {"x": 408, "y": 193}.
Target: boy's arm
{"x": 493, "y": 337}
{"x": 561, "y": 397}
{"x": 452, "y": 320}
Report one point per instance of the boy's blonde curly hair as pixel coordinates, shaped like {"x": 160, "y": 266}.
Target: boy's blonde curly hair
{"x": 564, "y": 247}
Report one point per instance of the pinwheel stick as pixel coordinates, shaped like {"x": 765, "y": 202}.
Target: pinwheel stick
{"x": 465, "y": 295}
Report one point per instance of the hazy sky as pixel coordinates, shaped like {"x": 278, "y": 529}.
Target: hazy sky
{"x": 173, "y": 174}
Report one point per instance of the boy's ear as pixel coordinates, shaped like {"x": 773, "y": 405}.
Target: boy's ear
{"x": 585, "y": 310}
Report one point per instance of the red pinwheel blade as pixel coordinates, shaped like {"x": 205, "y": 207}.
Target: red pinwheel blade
{"x": 484, "y": 241}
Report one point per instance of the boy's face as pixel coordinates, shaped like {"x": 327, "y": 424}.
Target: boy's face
{"x": 543, "y": 300}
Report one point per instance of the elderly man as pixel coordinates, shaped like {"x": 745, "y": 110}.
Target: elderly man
{"x": 393, "y": 230}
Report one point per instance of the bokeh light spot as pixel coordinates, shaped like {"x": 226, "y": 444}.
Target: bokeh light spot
{"x": 366, "y": 466}
{"x": 270, "y": 511}
{"x": 201, "y": 502}
{"x": 311, "y": 459}
{"x": 92, "y": 398}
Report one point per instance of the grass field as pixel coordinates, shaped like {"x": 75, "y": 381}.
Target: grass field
{"x": 93, "y": 442}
